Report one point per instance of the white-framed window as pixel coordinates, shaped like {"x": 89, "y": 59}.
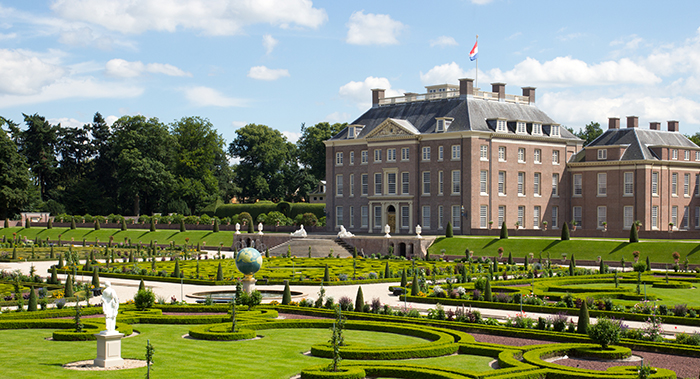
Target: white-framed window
{"x": 391, "y": 155}
{"x": 655, "y": 217}
{"x": 697, "y": 155}
{"x": 377, "y": 155}
{"x": 501, "y": 153}
{"x": 377, "y": 184}
{"x": 521, "y": 184}
{"x": 674, "y": 153}
{"x": 426, "y": 217}
{"x": 352, "y": 184}
{"x": 536, "y": 216}
{"x": 628, "y": 217}
{"x": 483, "y": 216}
{"x": 456, "y": 216}
{"x": 578, "y": 213}
{"x": 686, "y": 217}
{"x": 555, "y": 157}
{"x": 404, "y": 153}
{"x": 483, "y": 182}
{"x": 629, "y": 184}
{"x": 674, "y": 184}
{"x": 578, "y": 185}
{"x": 456, "y": 182}
{"x": 686, "y": 184}
{"x": 352, "y": 217}
{"x": 538, "y": 155}
{"x": 338, "y": 216}
{"x": 697, "y": 185}
{"x": 501, "y": 215}
{"x": 602, "y": 184}
{"x": 364, "y": 216}
{"x": 378, "y": 217}
{"x": 441, "y": 153}
{"x": 456, "y": 152}
{"x": 364, "y": 183}
{"x": 536, "y": 129}
{"x": 520, "y": 128}
{"x": 554, "y": 131}
{"x": 602, "y": 154}
{"x": 602, "y": 216}
{"x": 521, "y": 216}
{"x": 555, "y": 185}
{"x": 426, "y": 153}
{"x": 686, "y": 155}
{"x": 339, "y": 185}
{"x": 364, "y": 157}
{"x": 391, "y": 183}
{"x": 441, "y": 213}
{"x": 555, "y": 217}
{"x": 426, "y": 182}
{"x": 352, "y": 157}
{"x": 674, "y": 215}
{"x": 697, "y": 217}
{"x": 483, "y": 152}
{"x": 405, "y": 185}
{"x": 339, "y": 159}
{"x": 405, "y": 219}
{"x": 536, "y": 184}
{"x": 501, "y": 182}
{"x": 655, "y": 183}
{"x": 501, "y": 126}
{"x": 441, "y": 182}
{"x": 521, "y": 155}
{"x": 440, "y": 126}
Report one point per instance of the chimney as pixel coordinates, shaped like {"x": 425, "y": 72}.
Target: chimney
{"x": 613, "y": 123}
{"x": 377, "y": 94}
{"x": 529, "y": 92}
{"x": 655, "y": 125}
{"x": 632, "y": 121}
{"x": 499, "y": 88}
{"x": 466, "y": 87}
{"x": 673, "y": 126}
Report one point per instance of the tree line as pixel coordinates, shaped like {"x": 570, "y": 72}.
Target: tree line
{"x": 141, "y": 165}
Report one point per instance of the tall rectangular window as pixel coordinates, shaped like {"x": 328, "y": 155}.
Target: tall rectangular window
{"x": 426, "y": 217}
{"x": 555, "y": 217}
{"x": 352, "y": 184}
{"x": 655, "y": 217}
{"x": 521, "y": 155}
{"x": 364, "y": 157}
{"x": 502, "y": 153}
{"x": 339, "y": 185}
{"x": 404, "y": 183}
{"x": 338, "y": 216}
{"x": 686, "y": 155}
{"x": 578, "y": 213}
{"x": 426, "y": 153}
{"x": 377, "y": 184}
{"x": 555, "y": 157}
{"x": 441, "y": 214}
{"x": 456, "y": 216}
{"x": 404, "y": 153}
{"x": 521, "y": 216}
{"x": 377, "y": 155}
{"x": 555, "y": 185}
{"x": 352, "y": 157}
{"x": 655, "y": 183}
{"x": 364, "y": 181}
{"x": 686, "y": 216}
{"x": 628, "y": 216}
{"x": 629, "y": 184}
{"x": 686, "y": 184}
{"x": 456, "y": 182}
{"x": 501, "y": 215}
{"x": 521, "y": 183}
{"x": 404, "y": 217}
{"x": 483, "y": 216}
{"x": 602, "y": 184}
{"x": 338, "y": 159}
{"x": 697, "y": 184}
{"x": 391, "y": 155}
{"x": 483, "y": 182}
{"x": 674, "y": 215}
{"x": 536, "y": 217}
{"x": 674, "y": 153}
{"x": 391, "y": 183}
{"x": 501, "y": 182}
{"x": 364, "y": 216}
{"x": 697, "y": 217}
{"x": 483, "y": 152}
{"x": 441, "y": 153}
{"x": 352, "y": 217}
{"x": 538, "y": 155}
{"x": 602, "y": 154}
{"x": 441, "y": 182}
{"x": 578, "y": 185}
{"x": 674, "y": 184}
{"x": 378, "y": 218}
{"x": 536, "y": 184}
{"x": 602, "y": 216}
{"x": 426, "y": 183}
{"x": 457, "y": 152}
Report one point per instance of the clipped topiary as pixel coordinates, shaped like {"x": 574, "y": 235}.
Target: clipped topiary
{"x": 124, "y": 225}
{"x": 510, "y": 258}
{"x": 251, "y": 228}
{"x": 605, "y": 332}
{"x": 176, "y": 271}
{"x": 142, "y": 285}
{"x": 404, "y": 280}
{"x": 326, "y": 275}
{"x": 60, "y": 261}
{"x": 219, "y": 273}
{"x": 49, "y": 224}
{"x": 287, "y": 296}
{"x": 96, "y": 278}
{"x": 565, "y": 235}
{"x": 69, "y": 287}
{"x": 571, "y": 268}
{"x": 54, "y": 275}
{"x": 216, "y": 225}
{"x": 97, "y": 224}
{"x": 583, "y": 319}
{"x": 153, "y": 224}
{"x": 28, "y": 223}
{"x": 359, "y": 300}
{"x": 448, "y": 230}
{"x": 634, "y": 234}
{"x": 414, "y": 285}
{"x": 31, "y": 307}
{"x": 504, "y": 231}
{"x": 648, "y": 264}
{"x": 182, "y": 226}
{"x": 387, "y": 272}
{"x": 487, "y": 290}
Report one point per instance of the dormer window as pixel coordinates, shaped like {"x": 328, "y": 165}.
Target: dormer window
{"x": 602, "y": 154}
{"x": 536, "y": 129}
{"x": 442, "y": 124}
{"x": 554, "y": 132}
{"x": 520, "y": 127}
{"x": 501, "y": 126}
{"x": 351, "y": 132}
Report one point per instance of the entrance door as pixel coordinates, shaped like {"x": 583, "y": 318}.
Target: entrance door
{"x": 391, "y": 218}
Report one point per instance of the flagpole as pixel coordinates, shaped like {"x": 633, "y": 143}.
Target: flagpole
{"x": 476, "y": 80}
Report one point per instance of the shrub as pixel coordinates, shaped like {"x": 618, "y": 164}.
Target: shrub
{"x": 583, "y": 319}
{"x": 565, "y": 235}
{"x": 359, "y": 300}
{"x": 144, "y": 299}
{"x": 287, "y": 296}
{"x": 605, "y": 332}
{"x": 634, "y": 234}
{"x": 504, "y": 231}
{"x": 449, "y": 233}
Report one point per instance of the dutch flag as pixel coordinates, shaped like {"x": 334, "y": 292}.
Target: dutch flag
{"x": 475, "y": 52}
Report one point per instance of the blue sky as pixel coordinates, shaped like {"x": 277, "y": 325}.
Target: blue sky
{"x": 286, "y": 62}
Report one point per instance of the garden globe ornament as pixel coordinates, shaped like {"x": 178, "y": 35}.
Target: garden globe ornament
{"x": 387, "y": 229}
{"x": 249, "y": 261}
{"x": 260, "y": 228}
{"x": 238, "y": 228}
{"x": 419, "y": 230}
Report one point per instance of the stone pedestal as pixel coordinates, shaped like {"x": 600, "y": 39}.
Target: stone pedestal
{"x": 109, "y": 349}
{"x": 248, "y": 284}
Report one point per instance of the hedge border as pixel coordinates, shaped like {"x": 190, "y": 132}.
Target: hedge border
{"x": 612, "y": 352}
{"x": 204, "y": 332}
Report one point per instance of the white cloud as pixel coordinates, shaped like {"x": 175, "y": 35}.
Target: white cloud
{"x": 373, "y": 29}
{"x": 221, "y": 17}
{"x": 111, "y": 119}
{"x": 337, "y": 117}
{"x": 24, "y": 72}
{"x": 569, "y": 37}
{"x": 292, "y": 137}
{"x": 7, "y": 36}
{"x": 269, "y": 43}
{"x": 443, "y": 41}
{"x": 360, "y": 93}
{"x": 264, "y": 73}
{"x": 85, "y": 37}
{"x": 238, "y": 124}
{"x": 514, "y": 35}
{"x": 446, "y": 73}
{"x": 481, "y": 2}
{"x": 73, "y": 88}
{"x": 125, "y": 69}
{"x": 208, "y": 97}
{"x": 66, "y": 122}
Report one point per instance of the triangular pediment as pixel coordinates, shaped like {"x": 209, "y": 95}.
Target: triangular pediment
{"x": 392, "y": 127}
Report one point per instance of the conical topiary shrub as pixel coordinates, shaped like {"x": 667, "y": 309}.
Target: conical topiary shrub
{"x": 510, "y": 258}
{"x": 504, "y": 231}
{"x": 182, "y": 226}
{"x": 448, "y": 230}
{"x": 487, "y": 290}
{"x": 648, "y": 264}
{"x": 69, "y": 286}
{"x": 219, "y": 273}
{"x": 216, "y": 225}
{"x": 96, "y": 277}
{"x": 251, "y": 228}
{"x": 583, "y": 319}
{"x": 72, "y": 222}
{"x": 565, "y": 235}
{"x": 49, "y": 224}
{"x": 176, "y": 271}
{"x": 153, "y": 224}
{"x": 142, "y": 285}
{"x": 404, "y": 280}
{"x": 97, "y": 224}
{"x": 124, "y": 225}
{"x": 326, "y": 275}
{"x": 60, "y": 261}
{"x": 287, "y": 296}
{"x": 414, "y": 285}
{"x": 634, "y": 234}
{"x": 54, "y": 275}
{"x": 387, "y": 272}
{"x": 359, "y": 300}
{"x": 32, "y": 300}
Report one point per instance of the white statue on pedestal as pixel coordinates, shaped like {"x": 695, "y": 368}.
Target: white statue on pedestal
{"x": 343, "y": 233}
{"x": 260, "y": 228}
{"x": 418, "y": 231}
{"x": 238, "y": 228}
{"x": 110, "y": 307}
{"x": 387, "y": 229}
{"x": 299, "y": 233}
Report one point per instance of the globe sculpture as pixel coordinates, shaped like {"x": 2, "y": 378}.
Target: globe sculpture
{"x": 249, "y": 261}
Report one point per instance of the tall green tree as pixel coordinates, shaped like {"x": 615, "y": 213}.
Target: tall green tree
{"x": 589, "y": 132}
{"x": 312, "y": 151}
{"x": 15, "y": 183}
{"x": 38, "y": 144}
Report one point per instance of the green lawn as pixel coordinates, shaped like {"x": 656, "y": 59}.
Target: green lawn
{"x": 279, "y": 354}
{"x": 660, "y": 251}
{"x": 668, "y": 296}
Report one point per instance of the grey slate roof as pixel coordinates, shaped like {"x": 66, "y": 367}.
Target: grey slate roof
{"x": 469, "y": 114}
{"x": 639, "y": 142}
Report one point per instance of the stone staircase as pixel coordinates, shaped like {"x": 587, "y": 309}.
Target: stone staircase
{"x": 320, "y": 248}
{"x": 349, "y": 248}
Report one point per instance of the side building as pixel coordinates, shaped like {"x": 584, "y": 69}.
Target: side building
{"x": 456, "y": 155}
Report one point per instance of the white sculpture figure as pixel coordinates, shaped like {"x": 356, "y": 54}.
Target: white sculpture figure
{"x": 110, "y": 307}
{"x": 238, "y": 228}
{"x": 343, "y": 233}
{"x": 260, "y": 228}
{"x": 387, "y": 229}
{"x": 299, "y": 233}
{"x": 418, "y": 231}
